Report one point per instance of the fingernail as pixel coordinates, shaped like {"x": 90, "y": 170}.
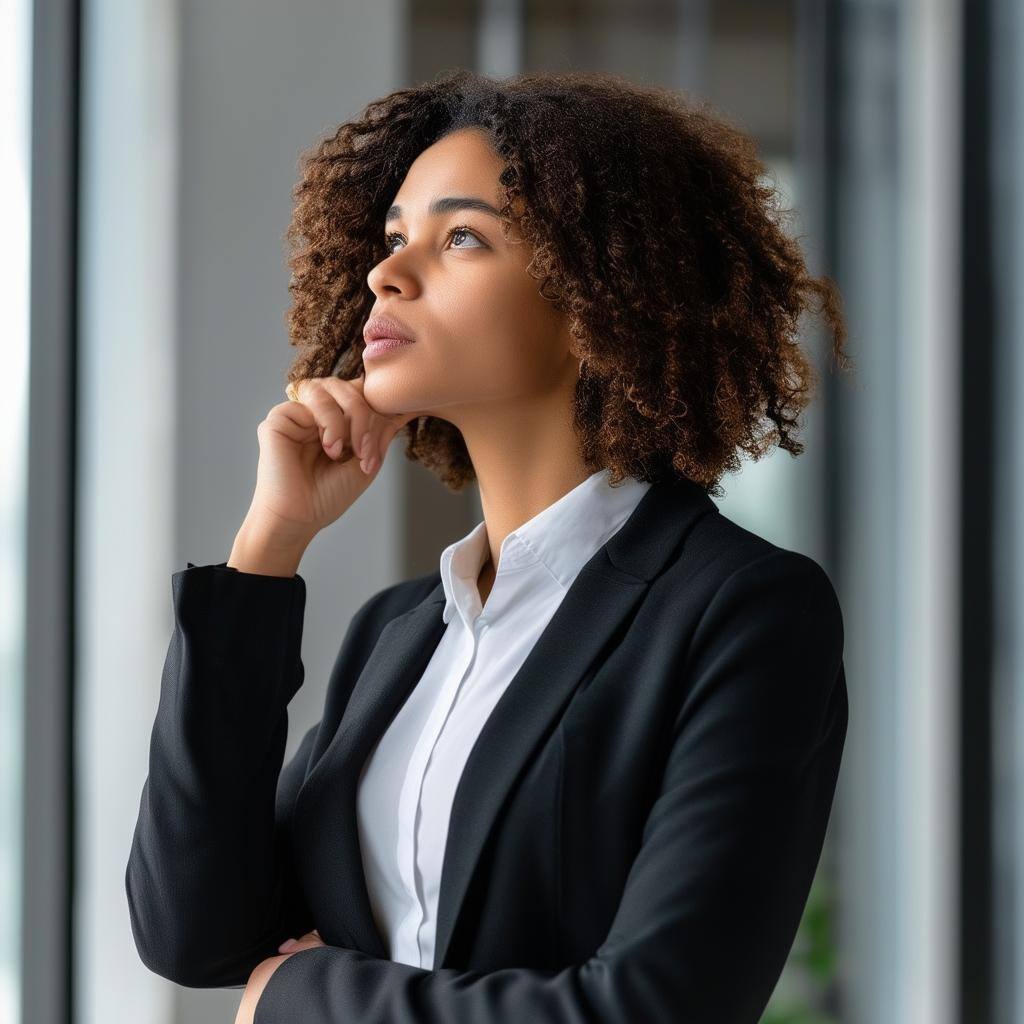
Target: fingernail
{"x": 364, "y": 444}
{"x": 287, "y": 945}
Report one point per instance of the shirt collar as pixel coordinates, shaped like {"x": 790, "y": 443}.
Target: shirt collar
{"x": 560, "y": 538}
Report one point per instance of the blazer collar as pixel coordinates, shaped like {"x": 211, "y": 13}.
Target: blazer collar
{"x": 325, "y": 837}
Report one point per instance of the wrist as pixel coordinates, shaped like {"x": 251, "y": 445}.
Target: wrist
{"x": 268, "y": 551}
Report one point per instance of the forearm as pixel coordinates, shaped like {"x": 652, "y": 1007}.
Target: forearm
{"x": 207, "y": 838}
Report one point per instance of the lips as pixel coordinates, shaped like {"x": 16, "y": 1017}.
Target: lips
{"x": 386, "y": 327}
{"x": 378, "y": 346}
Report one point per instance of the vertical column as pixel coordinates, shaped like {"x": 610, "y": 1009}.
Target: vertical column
{"x": 897, "y": 208}
{"x": 126, "y": 481}
{"x": 928, "y": 761}
{"x": 999, "y": 60}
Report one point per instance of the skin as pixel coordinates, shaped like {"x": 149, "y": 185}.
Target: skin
{"x": 491, "y": 357}
{"x": 262, "y": 972}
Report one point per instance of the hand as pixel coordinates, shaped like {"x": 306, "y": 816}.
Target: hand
{"x": 310, "y": 469}
{"x": 262, "y": 971}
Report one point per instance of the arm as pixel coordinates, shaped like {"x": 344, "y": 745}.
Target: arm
{"x": 210, "y": 886}
{"x": 714, "y": 898}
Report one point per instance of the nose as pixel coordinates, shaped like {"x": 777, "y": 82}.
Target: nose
{"x": 392, "y": 276}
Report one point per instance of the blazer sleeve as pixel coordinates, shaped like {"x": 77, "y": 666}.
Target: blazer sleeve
{"x": 714, "y": 897}
{"x": 212, "y": 830}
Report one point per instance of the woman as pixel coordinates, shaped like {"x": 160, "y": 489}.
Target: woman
{"x": 583, "y": 771}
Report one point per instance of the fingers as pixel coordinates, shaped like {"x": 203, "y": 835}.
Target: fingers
{"x": 341, "y": 414}
{"x": 293, "y": 419}
{"x": 343, "y": 417}
{"x": 361, "y": 419}
{"x": 385, "y": 426}
{"x": 307, "y": 941}
{"x": 332, "y": 409}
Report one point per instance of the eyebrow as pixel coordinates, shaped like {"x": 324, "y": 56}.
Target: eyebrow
{"x": 448, "y": 204}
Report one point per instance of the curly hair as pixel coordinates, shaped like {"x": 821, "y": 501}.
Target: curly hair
{"x": 653, "y": 226}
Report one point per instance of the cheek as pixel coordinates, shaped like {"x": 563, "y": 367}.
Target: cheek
{"x": 501, "y": 328}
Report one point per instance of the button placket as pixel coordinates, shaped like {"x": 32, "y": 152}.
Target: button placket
{"x": 410, "y": 799}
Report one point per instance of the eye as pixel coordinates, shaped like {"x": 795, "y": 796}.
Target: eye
{"x": 459, "y": 229}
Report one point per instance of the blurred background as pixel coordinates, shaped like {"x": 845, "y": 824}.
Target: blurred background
{"x": 148, "y": 153}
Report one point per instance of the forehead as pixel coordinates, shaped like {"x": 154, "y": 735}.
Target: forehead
{"x": 462, "y": 163}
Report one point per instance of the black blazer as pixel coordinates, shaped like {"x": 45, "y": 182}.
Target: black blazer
{"x": 633, "y": 837}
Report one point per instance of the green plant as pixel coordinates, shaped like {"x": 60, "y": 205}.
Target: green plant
{"x": 806, "y": 992}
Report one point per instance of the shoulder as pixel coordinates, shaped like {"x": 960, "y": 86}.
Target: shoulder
{"x": 758, "y": 632}
{"x": 724, "y": 571}
{"x": 718, "y": 548}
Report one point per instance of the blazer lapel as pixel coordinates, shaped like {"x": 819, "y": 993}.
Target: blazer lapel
{"x": 603, "y": 595}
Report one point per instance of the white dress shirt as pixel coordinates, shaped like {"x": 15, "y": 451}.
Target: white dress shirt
{"x": 408, "y": 782}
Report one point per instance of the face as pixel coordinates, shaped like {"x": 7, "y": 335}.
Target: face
{"x": 485, "y": 340}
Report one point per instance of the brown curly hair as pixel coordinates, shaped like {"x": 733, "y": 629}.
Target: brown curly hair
{"x": 653, "y": 227}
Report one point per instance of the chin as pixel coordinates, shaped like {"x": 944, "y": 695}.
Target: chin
{"x": 390, "y": 392}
